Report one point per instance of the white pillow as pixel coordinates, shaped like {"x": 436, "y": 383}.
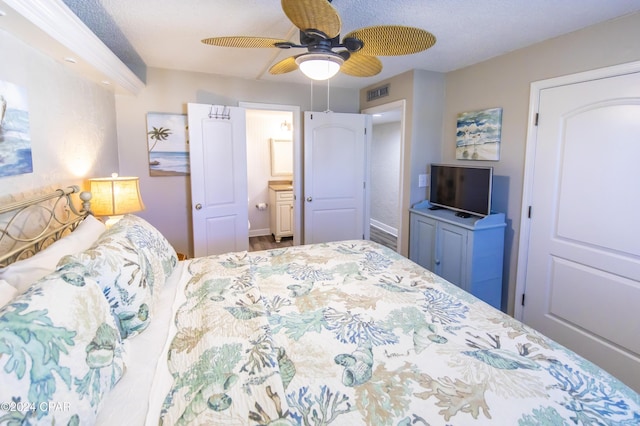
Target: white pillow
{"x": 7, "y": 293}
{"x": 25, "y": 272}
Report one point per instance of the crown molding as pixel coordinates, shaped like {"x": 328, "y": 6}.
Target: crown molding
{"x": 58, "y": 22}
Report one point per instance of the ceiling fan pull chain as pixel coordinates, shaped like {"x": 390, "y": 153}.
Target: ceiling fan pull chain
{"x": 328, "y": 96}
{"x": 311, "y": 86}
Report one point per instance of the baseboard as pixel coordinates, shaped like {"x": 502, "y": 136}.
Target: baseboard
{"x": 383, "y": 227}
{"x": 259, "y": 232}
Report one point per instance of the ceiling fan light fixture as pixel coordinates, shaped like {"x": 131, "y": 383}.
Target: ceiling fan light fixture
{"x": 319, "y": 66}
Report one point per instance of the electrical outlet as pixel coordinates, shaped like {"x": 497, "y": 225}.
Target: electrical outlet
{"x": 422, "y": 181}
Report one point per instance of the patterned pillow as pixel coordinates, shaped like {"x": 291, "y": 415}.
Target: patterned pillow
{"x": 152, "y": 244}
{"x": 60, "y": 351}
{"x": 125, "y": 277}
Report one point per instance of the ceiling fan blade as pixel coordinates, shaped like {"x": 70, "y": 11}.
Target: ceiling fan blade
{"x": 313, "y": 14}
{"x": 359, "y": 65}
{"x": 243, "y": 41}
{"x": 284, "y": 66}
{"x": 393, "y": 40}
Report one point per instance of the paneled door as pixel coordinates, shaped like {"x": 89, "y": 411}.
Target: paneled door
{"x": 582, "y": 280}
{"x": 218, "y": 155}
{"x": 336, "y": 204}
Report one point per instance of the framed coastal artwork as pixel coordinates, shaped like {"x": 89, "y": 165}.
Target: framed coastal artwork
{"x": 15, "y": 139}
{"x": 168, "y": 144}
{"x": 478, "y": 135}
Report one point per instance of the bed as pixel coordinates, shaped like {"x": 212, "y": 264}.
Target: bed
{"x": 343, "y": 333}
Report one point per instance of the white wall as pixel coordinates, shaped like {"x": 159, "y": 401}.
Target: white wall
{"x": 385, "y": 174}
{"x": 168, "y": 198}
{"x": 72, "y": 121}
{"x": 424, "y": 93}
{"x": 428, "y": 115}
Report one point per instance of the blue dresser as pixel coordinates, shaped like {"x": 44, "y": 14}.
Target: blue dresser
{"x": 468, "y": 252}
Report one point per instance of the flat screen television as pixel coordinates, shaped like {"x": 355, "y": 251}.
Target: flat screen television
{"x": 465, "y": 189}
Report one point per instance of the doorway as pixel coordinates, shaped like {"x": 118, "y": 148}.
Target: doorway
{"x": 387, "y": 146}
{"x": 266, "y": 124}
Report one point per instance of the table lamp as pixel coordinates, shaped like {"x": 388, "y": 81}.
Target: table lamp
{"x": 115, "y": 196}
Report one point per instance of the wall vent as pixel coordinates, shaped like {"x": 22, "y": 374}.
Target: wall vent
{"x": 378, "y": 92}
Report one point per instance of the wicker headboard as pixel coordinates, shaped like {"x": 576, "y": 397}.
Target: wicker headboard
{"x": 30, "y": 225}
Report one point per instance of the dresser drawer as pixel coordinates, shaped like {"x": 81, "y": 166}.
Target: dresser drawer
{"x": 284, "y": 195}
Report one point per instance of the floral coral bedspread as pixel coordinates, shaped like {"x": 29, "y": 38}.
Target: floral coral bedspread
{"x": 351, "y": 333}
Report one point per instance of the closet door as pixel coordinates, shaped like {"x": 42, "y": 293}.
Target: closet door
{"x": 218, "y": 153}
{"x": 583, "y": 264}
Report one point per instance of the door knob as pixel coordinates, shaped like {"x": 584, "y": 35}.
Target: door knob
{"x": 198, "y": 206}
{"x": 309, "y": 199}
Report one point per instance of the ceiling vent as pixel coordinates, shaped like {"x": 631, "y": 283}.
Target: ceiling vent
{"x": 378, "y": 92}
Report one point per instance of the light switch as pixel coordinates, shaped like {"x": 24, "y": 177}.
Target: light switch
{"x": 422, "y": 181}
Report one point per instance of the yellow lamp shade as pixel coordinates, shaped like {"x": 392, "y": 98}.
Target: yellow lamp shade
{"x": 115, "y": 196}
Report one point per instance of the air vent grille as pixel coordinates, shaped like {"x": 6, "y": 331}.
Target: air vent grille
{"x": 378, "y": 92}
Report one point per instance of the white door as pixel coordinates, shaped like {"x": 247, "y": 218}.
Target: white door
{"x": 218, "y": 156}
{"x": 335, "y": 176}
{"x": 583, "y": 268}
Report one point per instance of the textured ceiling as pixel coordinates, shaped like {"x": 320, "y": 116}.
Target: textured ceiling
{"x": 167, "y": 33}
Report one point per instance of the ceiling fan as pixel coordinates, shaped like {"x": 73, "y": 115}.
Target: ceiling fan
{"x": 319, "y": 25}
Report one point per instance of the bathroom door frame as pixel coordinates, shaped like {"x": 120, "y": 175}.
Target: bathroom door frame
{"x": 297, "y": 159}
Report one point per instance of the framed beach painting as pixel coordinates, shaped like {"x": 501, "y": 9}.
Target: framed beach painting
{"x": 15, "y": 139}
{"x": 478, "y": 135}
{"x": 168, "y": 143}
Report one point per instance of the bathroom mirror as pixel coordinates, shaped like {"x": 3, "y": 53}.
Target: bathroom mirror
{"x": 281, "y": 157}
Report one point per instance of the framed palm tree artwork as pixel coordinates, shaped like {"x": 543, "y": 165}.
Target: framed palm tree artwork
{"x": 168, "y": 144}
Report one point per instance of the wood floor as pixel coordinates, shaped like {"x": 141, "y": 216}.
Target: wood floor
{"x": 384, "y": 238}
{"x": 265, "y": 242}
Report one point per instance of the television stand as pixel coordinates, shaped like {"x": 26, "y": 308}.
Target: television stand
{"x": 463, "y": 215}
{"x": 468, "y": 252}
{"x": 435, "y": 208}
